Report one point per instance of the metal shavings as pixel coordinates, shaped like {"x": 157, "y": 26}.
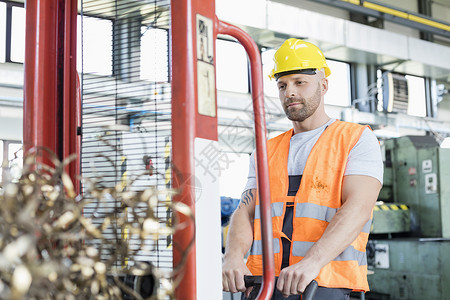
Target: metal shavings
{"x": 50, "y": 250}
{"x": 21, "y": 280}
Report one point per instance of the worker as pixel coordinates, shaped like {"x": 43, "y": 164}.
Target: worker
{"x": 325, "y": 177}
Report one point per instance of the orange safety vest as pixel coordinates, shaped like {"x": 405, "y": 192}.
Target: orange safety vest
{"x": 315, "y": 204}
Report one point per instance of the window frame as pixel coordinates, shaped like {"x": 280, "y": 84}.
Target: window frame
{"x": 8, "y": 35}
{"x": 247, "y": 68}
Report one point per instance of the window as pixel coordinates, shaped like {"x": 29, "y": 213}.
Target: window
{"x": 231, "y": 67}
{"x": 18, "y": 34}
{"x": 97, "y": 49}
{"x": 12, "y": 32}
{"x": 2, "y": 31}
{"x": 416, "y": 96}
{"x": 270, "y": 86}
{"x": 154, "y": 54}
{"x": 338, "y": 84}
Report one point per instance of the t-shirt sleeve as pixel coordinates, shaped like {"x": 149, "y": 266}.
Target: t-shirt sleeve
{"x": 251, "y": 179}
{"x": 365, "y": 157}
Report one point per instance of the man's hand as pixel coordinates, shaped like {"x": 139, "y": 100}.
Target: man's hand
{"x": 233, "y": 271}
{"x": 239, "y": 241}
{"x": 294, "y": 279}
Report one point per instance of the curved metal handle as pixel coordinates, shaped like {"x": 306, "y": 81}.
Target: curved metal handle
{"x": 310, "y": 291}
{"x": 308, "y": 294}
{"x": 261, "y": 153}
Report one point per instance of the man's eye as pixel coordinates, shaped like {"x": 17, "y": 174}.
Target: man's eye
{"x": 281, "y": 87}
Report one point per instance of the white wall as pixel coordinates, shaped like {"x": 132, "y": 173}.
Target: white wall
{"x": 11, "y": 123}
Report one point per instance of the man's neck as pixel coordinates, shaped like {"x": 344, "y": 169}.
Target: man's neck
{"x": 310, "y": 124}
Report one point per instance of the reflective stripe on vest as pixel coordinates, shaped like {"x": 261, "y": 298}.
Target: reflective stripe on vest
{"x": 257, "y": 247}
{"x": 300, "y": 249}
{"x": 311, "y": 210}
{"x": 277, "y": 210}
{"x": 319, "y": 212}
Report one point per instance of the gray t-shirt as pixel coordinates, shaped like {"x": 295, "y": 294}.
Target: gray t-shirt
{"x": 364, "y": 158}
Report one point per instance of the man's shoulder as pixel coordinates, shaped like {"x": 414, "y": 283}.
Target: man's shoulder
{"x": 349, "y": 125}
{"x": 347, "y": 133}
{"x": 342, "y": 129}
{"x": 279, "y": 137}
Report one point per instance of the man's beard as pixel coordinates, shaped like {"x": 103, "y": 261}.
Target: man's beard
{"x": 310, "y": 106}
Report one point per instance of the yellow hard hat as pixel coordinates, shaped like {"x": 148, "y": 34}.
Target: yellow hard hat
{"x": 298, "y": 56}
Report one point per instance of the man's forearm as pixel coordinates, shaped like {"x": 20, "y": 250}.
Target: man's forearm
{"x": 240, "y": 234}
{"x": 360, "y": 194}
{"x": 343, "y": 229}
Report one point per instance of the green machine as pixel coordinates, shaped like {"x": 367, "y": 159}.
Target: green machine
{"x": 409, "y": 247}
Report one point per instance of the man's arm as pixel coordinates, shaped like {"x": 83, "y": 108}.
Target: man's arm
{"x": 359, "y": 195}
{"x": 239, "y": 241}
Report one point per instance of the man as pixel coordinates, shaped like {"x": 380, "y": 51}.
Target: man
{"x": 325, "y": 177}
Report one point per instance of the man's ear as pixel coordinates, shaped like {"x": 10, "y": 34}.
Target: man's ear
{"x": 324, "y": 85}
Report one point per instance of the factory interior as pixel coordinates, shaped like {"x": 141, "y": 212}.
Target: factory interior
{"x": 126, "y": 129}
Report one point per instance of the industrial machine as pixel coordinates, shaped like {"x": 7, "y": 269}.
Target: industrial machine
{"x": 409, "y": 247}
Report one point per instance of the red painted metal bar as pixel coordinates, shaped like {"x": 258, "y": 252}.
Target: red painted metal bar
{"x": 29, "y": 74}
{"x": 261, "y": 153}
{"x": 50, "y": 91}
{"x": 40, "y": 91}
{"x": 71, "y": 100}
{"x": 183, "y": 135}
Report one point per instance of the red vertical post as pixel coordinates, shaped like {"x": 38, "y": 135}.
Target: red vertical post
{"x": 51, "y": 104}
{"x": 183, "y": 134}
{"x": 40, "y": 82}
{"x": 190, "y": 123}
{"x": 194, "y": 123}
{"x": 71, "y": 100}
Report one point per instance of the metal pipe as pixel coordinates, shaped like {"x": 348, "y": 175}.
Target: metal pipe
{"x": 183, "y": 135}
{"x": 50, "y": 98}
{"x": 40, "y": 76}
{"x": 393, "y": 14}
{"x": 71, "y": 100}
{"x": 406, "y": 15}
{"x": 261, "y": 153}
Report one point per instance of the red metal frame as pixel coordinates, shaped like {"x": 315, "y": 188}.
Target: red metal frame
{"x": 51, "y": 103}
{"x": 183, "y": 134}
{"x": 46, "y": 38}
{"x": 71, "y": 92}
{"x": 261, "y": 153}
{"x": 187, "y": 124}
{"x": 40, "y": 86}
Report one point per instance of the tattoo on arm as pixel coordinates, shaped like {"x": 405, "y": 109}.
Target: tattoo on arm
{"x": 247, "y": 197}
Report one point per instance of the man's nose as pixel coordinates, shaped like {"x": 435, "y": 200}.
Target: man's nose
{"x": 290, "y": 91}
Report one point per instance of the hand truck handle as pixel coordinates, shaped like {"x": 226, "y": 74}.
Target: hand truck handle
{"x": 308, "y": 294}
{"x": 261, "y": 153}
